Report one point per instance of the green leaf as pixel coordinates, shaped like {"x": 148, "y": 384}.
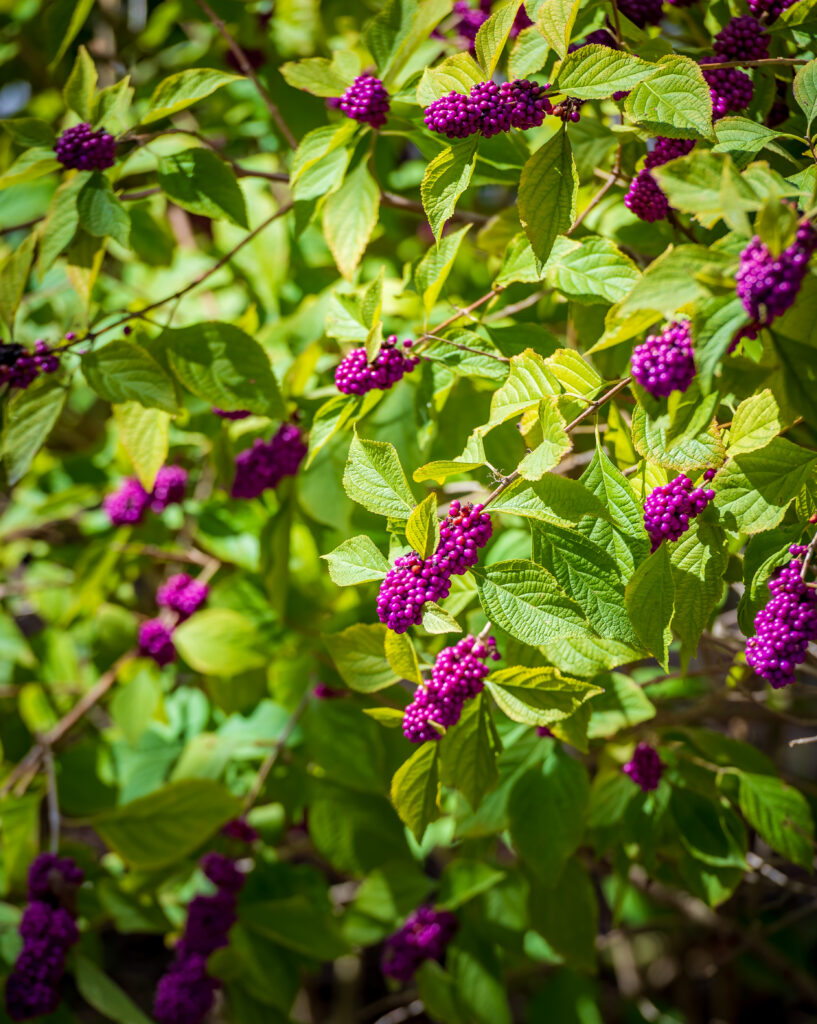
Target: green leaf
{"x": 711, "y": 833}
{"x": 715, "y": 325}
{"x": 64, "y": 20}
{"x": 538, "y": 696}
{"x": 555, "y": 20}
{"x": 526, "y": 601}
{"x": 699, "y": 561}
{"x": 757, "y": 421}
{"x": 566, "y": 914}
{"x": 457, "y": 73}
{"x": 183, "y": 89}
{"x": 402, "y": 657}
{"x": 296, "y": 923}
{"x": 753, "y": 491}
{"x": 423, "y": 527}
{"x": 100, "y": 212}
{"x": 224, "y": 366}
{"x": 741, "y": 135}
{"x": 357, "y": 560}
{"x": 81, "y": 85}
{"x": 359, "y": 655}
{"x": 103, "y": 994}
{"x": 197, "y": 180}
{"x": 553, "y": 499}
{"x": 163, "y": 828}
{"x": 781, "y": 816}
{"x": 595, "y": 72}
{"x": 317, "y": 144}
{"x": 650, "y": 603}
{"x": 123, "y": 371}
{"x": 469, "y": 750}
{"x": 316, "y": 75}
{"x": 445, "y": 179}
{"x": 398, "y": 31}
{"x": 414, "y": 789}
{"x": 805, "y": 90}
{"x": 529, "y": 53}
{"x": 593, "y": 271}
{"x": 547, "y": 194}
{"x": 29, "y": 417}
{"x": 333, "y": 416}
{"x": 701, "y": 451}
{"x": 375, "y": 479}
{"x": 623, "y": 536}
{"x": 437, "y": 620}
{"x": 493, "y": 34}
{"x": 31, "y": 164}
{"x": 350, "y": 216}
{"x": 554, "y": 445}
{"x": 30, "y": 131}
{"x": 112, "y": 106}
{"x": 464, "y": 879}
{"x": 219, "y": 642}
{"x": 674, "y": 101}
{"x": 13, "y": 278}
{"x": 529, "y": 380}
{"x": 61, "y": 221}
{"x": 433, "y": 269}
{"x": 144, "y": 434}
{"x": 622, "y": 705}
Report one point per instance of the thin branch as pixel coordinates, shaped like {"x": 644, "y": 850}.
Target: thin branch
{"x": 803, "y": 739}
{"x": 412, "y": 206}
{"x": 764, "y": 63}
{"x": 602, "y": 192}
{"x": 811, "y": 550}
{"x": 269, "y": 761}
{"x": 430, "y": 336}
{"x": 616, "y": 22}
{"x": 468, "y": 348}
{"x": 53, "y": 800}
{"x": 515, "y": 307}
{"x": 248, "y": 70}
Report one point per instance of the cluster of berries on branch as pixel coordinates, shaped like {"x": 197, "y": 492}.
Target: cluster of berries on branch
{"x": 48, "y": 930}
{"x": 19, "y": 368}
{"x": 645, "y": 198}
{"x": 180, "y": 594}
{"x": 664, "y": 362}
{"x": 366, "y": 100}
{"x": 237, "y": 414}
{"x": 787, "y": 624}
{"x": 412, "y": 582}
{"x": 730, "y": 88}
{"x": 743, "y": 38}
{"x": 471, "y": 19}
{"x": 355, "y": 375}
{"x": 641, "y": 12}
{"x": 424, "y": 936}
{"x": 645, "y": 768}
{"x": 127, "y": 505}
{"x": 670, "y": 508}
{"x": 768, "y": 285}
{"x": 80, "y": 148}
{"x": 489, "y": 109}
{"x": 458, "y": 675}
{"x": 770, "y": 9}
{"x": 263, "y": 466}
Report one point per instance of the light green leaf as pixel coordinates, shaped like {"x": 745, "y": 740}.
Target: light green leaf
{"x": 547, "y": 193}
{"x": 674, "y": 101}
{"x": 334, "y": 415}
{"x": 359, "y": 655}
{"x": 529, "y": 380}
{"x": 144, "y": 434}
{"x": 67, "y": 18}
{"x": 650, "y": 603}
{"x": 31, "y": 164}
{"x": 594, "y": 271}
{"x": 29, "y": 417}
{"x": 61, "y": 221}
{"x": 623, "y": 536}
{"x": 13, "y": 278}
{"x": 702, "y": 451}
{"x": 553, "y": 499}
{"x": 433, "y": 269}
{"x": 375, "y": 479}
{"x": 123, "y": 371}
{"x": 398, "y": 31}
{"x": 414, "y": 789}
{"x": 183, "y": 89}
{"x": 30, "y": 131}
{"x": 81, "y": 85}
{"x": 493, "y": 35}
{"x": 446, "y": 178}
{"x": 100, "y": 212}
{"x": 437, "y": 620}
{"x": 423, "y": 527}
{"x": 538, "y": 696}
{"x": 197, "y": 180}
{"x": 112, "y": 106}
{"x": 805, "y": 90}
{"x": 402, "y": 657}
{"x": 756, "y": 422}
{"x": 528, "y": 54}
{"x": 316, "y": 75}
{"x": 699, "y": 560}
{"x": 458, "y": 73}
{"x": 741, "y": 135}
{"x": 103, "y": 994}
{"x": 555, "y": 20}
{"x": 595, "y": 72}
{"x": 469, "y": 750}
{"x": 780, "y": 814}
{"x": 554, "y": 445}
{"x": 318, "y": 143}
{"x": 219, "y": 642}
{"x": 357, "y": 560}
{"x": 350, "y": 216}
{"x": 622, "y": 705}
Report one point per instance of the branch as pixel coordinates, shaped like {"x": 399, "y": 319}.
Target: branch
{"x": 602, "y": 192}
{"x": 811, "y": 550}
{"x": 765, "y": 62}
{"x": 269, "y": 761}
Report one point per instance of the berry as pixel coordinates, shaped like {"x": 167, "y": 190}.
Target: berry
{"x": 324, "y": 692}
{"x": 544, "y": 732}
{"x": 489, "y": 109}
{"x": 463, "y": 532}
{"x": 185, "y": 995}
{"x": 222, "y": 872}
{"x": 457, "y": 676}
{"x": 183, "y": 594}
{"x": 355, "y": 375}
{"x": 664, "y": 362}
{"x": 521, "y": 22}
{"x": 492, "y": 107}
{"x": 731, "y": 89}
{"x": 527, "y": 102}
{"x": 452, "y": 115}
{"x": 168, "y": 488}
{"x": 645, "y": 199}
{"x": 265, "y": 465}
{"x": 645, "y": 768}
{"x": 471, "y": 19}
{"x": 49, "y": 876}
{"x": 665, "y": 150}
{"x": 768, "y": 285}
{"x": 240, "y": 830}
{"x": 156, "y": 641}
{"x": 128, "y": 504}
{"x": 772, "y": 8}
{"x": 407, "y": 587}
{"x": 19, "y": 368}
{"x": 669, "y": 509}
{"x": 366, "y": 100}
{"x": 239, "y": 414}
{"x": 743, "y": 38}
{"x": 786, "y": 626}
{"x": 569, "y": 109}
{"x": 641, "y": 12}
{"x": 424, "y": 936}
{"x": 82, "y": 149}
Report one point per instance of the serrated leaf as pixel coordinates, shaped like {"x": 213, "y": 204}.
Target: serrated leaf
{"x": 437, "y": 620}
{"x": 402, "y": 657}
{"x": 433, "y": 269}
{"x": 553, "y": 499}
{"x": 28, "y": 419}
{"x": 469, "y": 750}
{"x": 398, "y": 30}
{"x": 445, "y": 179}
{"x": 316, "y": 75}
{"x": 318, "y": 143}
{"x": 704, "y": 450}
{"x": 780, "y": 814}
{"x": 554, "y": 445}
{"x": 333, "y": 416}
{"x": 414, "y": 789}
{"x": 805, "y": 90}
{"x": 197, "y": 180}
{"x": 423, "y": 527}
{"x": 144, "y": 434}
{"x": 458, "y": 73}
{"x": 375, "y": 479}
{"x": 355, "y": 561}
{"x": 359, "y": 655}
{"x": 123, "y": 371}
{"x": 100, "y": 212}
{"x": 699, "y": 560}
{"x": 595, "y": 72}
{"x": 623, "y": 536}
{"x": 547, "y": 194}
{"x": 529, "y": 380}
{"x": 538, "y": 696}
{"x": 350, "y": 216}
{"x": 528, "y": 54}
{"x": 594, "y": 271}
{"x": 555, "y": 20}
{"x": 674, "y": 101}
{"x": 756, "y": 422}
{"x": 650, "y": 598}
{"x": 81, "y": 85}
{"x": 741, "y": 135}
{"x": 493, "y": 34}
{"x": 183, "y": 89}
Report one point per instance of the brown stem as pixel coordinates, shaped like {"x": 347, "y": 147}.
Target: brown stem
{"x": 811, "y": 550}
{"x": 616, "y": 22}
{"x": 269, "y": 761}
{"x": 602, "y": 192}
{"x": 765, "y": 62}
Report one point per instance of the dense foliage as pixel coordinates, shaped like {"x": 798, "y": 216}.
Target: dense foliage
{"x": 409, "y": 441}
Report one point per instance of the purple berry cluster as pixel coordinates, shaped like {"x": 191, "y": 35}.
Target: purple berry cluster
{"x": 19, "y": 368}
{"x": 238, "y": 414}
{"x": 768, "y": 285}
{"x": 240, "y": 830}
{"x": 772, "y": 9}
{"x": 48, "y": 930}
{"x": 489, "y": 109}
{"x": 186, "y": 993}
{"x": 355, "y": 375}
{"x": 645, "y": 199}
{"x": 669, "y": 509}
{"x": 182, "y": 594}
{"x": 424, "y": 936}
{"x": 471, "y": 19}
{"x": 786, "y": 626}
{"x": 731, "y": 89}
{"x": 265, "y": 465}
{"x": 128, "y": 504}
{"x": 641, "y": 12}
{"x": 742, "y": 38}
{"x": 458, "y": 675}
{"x": 664, "y": 362}
{"x": 645, "y": 768}
{"x": 666, "y": 149}
{"x": 80, "y": 148}
{"x": 156, "y": 641}
{"x": 412, "y": 581}
{"x": 366, "y": 100}
{"x": 569, "y": 109}
{"x": 544, "y": 732}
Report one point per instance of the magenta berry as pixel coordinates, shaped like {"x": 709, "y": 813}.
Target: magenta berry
{"x": 265, "y": 465}
{"x": 768, "y": 285}
{"x": 182, "y": 594}
{"x": 569, "y": 110}
{"x": 771, "y": 9}
{"x": 324, "y": 692}
{"x": 457, "y": 676}
{"x": 544, "y": 732}
{"x": 168, "y": 488}
{"x": 731, "y": 89}
{"x": 463, "y": 532}
{"x": 452, "y": 115}
{"x": 665, "y": 150}
{"x": 50, "y": 877}
{"x": 366, "y": 100}
{"x": 743, "y": 38}
{"x": 238, "y": 414}
{"x": 240, "y": 830}
{"x": 19, "y": 367}
{"x": 664, "y": 362}
{"x": 489, "y": 109}
{"x": 355, "y": 375}
{"x": 81, "y": 148}
{"x": 526, "y": 101}
{"x": 156, "y": 642}
{"x": 408, "y": 586}
{"x": 185, "y": 995}
{"x": 786, "y": 626}
{"x": 645, "y": 768}
{"x": 645, "y": 199}
{"x": 641, "y": 12}
{"x": 471, "y": 19}
{"x": 128, "y": 504}
{"x": 424, "y": 936}
{"x": 669, "y": 509}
